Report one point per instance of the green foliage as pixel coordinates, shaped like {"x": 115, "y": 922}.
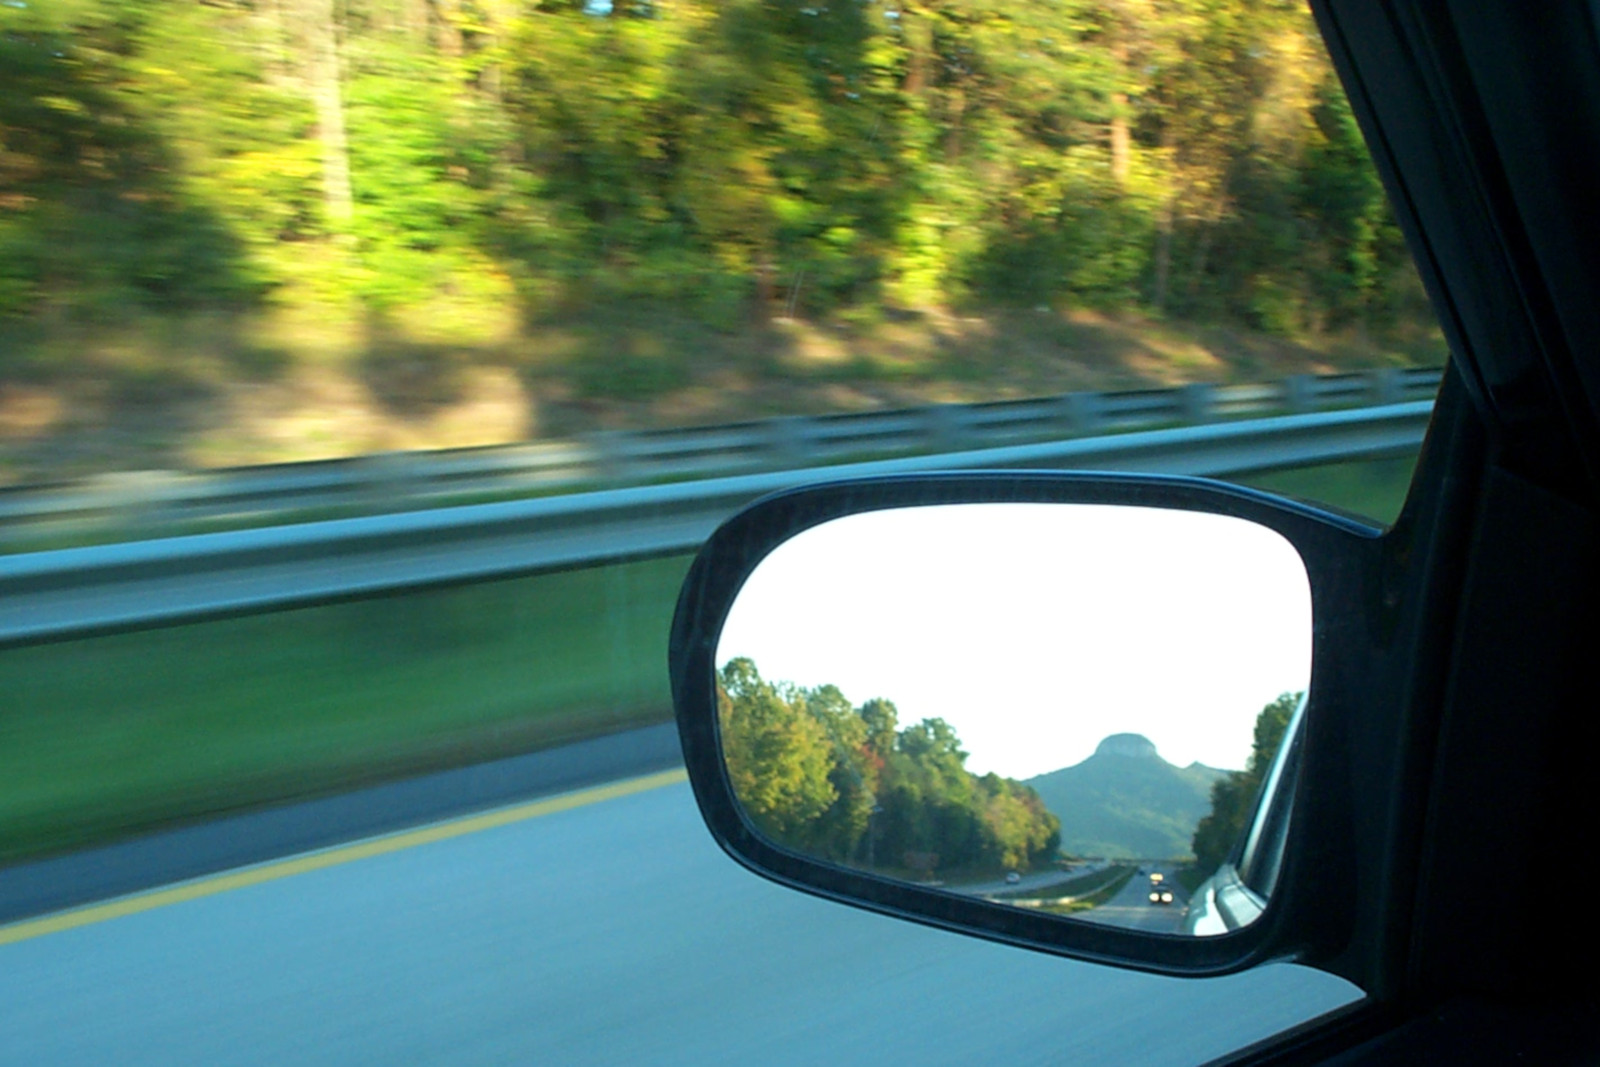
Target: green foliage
{"x": 827, "y": 778}
{"x": 1340, "y": 195}
{"x": 778, "y": 756}
{"x": 102, "y": 212}
{"x": 1118, "y": 805}
{"x": 1233, "y": 797}
{"x": 735, "y": 159}
{"x": 108, "y": 737}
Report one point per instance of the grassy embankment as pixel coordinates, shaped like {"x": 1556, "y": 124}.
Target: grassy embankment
{"x": 175, "y": 394}
{"x": 110, "y": 736}
{"x": 317, "y": 382}
{"x": 1373, "y": 489}
{"x": 1077, "y": 894}
{"x": 1191, "y": 877}
{"x": 1370, "y": 488}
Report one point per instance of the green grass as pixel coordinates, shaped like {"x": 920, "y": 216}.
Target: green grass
{"x": 111, "y": 736}
{"x": 1372, "y": 489}
{"x": 1191, "y": 877}
{"x": 106, "y": 737}
{"x": 1073, "y": 887}
{"x": 1097, "y": 898}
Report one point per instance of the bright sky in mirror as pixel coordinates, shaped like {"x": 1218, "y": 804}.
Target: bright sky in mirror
{"x": 1037, "y": 630}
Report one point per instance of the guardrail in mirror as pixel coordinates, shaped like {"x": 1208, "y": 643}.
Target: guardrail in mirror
{"x": 1066, "y": 708}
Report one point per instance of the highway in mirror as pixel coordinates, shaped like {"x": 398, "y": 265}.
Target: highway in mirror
{"x": 1064, "y": 708}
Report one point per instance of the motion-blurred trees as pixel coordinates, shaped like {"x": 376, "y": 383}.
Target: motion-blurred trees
{"x": 119, "y": 128}
{"x": 731, "y": 158}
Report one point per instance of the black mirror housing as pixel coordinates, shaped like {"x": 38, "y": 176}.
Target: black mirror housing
{"x": 1310, "y": 911}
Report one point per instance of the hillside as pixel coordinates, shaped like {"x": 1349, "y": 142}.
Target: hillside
{"x": 1125, "y": 800}
{"x": 541, "y": 220}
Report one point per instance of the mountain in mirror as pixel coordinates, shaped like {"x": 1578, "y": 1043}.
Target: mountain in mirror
{"x": 1126, "y": 801}
{"x": 1114, "y": 838}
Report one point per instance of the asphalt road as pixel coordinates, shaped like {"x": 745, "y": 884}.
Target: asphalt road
{"x": 613, "y": 932}
{"x": 1131, "y": 907}
{"x": 1032, "y": 880}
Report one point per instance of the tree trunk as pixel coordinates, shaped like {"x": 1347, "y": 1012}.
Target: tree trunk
{"x": 326, "y": 94}
{"x": 918, "y": 43}
{"x": 1120, "y": 145}
{"x": 957, "y": 99}
{"x": 278, "y": 62}
{"x": 1202, "y": 254}
{"x": 417, "y": 20}
{"x": 1158, "y": 298}
{"x": 1119, "y": 138}
{"x": 450, "y": 37}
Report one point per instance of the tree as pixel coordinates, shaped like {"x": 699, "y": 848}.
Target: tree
{"x": 1233, "y": 796}
{"x": 719, "y": 161}
{"x": 129, "y": 138}
{"x": 882, "y": 720}
{"x": 322, "y": 34}
{"x": 836, "y": 781}
{"x": 778, "y": 757}
{"x": 854, "y": 774}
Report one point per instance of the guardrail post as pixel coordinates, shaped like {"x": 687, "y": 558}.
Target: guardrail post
{"x": 1196, "y": 402}
{"x": 1299, "y": 393}
{"x": 1420, "y": 383}
{"x": 613, "y": 455}
{"x": 789, "y": 440}
{"x": 141, "y": 502}
{"x": 1080, "y": 412}
{"x": 385, "y": 480}
{"x": 1387, "y": 386}
{"x": 945, "y": 427}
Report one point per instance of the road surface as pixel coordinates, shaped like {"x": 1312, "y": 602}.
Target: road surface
{"x": 612, "y": 932}
{"x": 1032, "y": 880}
{"x": 1131, "y": 907}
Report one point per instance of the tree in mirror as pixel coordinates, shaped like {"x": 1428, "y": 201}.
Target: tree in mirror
{"x": 1066, "y": 708}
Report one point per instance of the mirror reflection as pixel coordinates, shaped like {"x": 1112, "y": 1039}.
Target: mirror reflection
{"x": 1065, "y": 708}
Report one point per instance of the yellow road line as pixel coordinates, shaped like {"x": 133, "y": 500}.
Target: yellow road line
{"x": 332, "y": 857}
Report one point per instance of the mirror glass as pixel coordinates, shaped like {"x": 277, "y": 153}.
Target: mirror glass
{"x": 1062, "y": 707}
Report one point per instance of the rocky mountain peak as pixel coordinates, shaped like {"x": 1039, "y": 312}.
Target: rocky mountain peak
{"x": 1136, "y": 746}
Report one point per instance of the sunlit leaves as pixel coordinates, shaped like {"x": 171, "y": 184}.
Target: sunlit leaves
{"x": 736, "y": 159}
{"x": 1233, "y": 796}
{"x": 822, "y": 776}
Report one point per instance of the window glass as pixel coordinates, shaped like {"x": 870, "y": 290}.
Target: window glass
{"x": 238, "y": 232}
{"x": 280, "y": 261}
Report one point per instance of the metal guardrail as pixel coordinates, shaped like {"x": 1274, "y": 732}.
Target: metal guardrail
{"x": 144, "y": 503}
{"x": 85, "y": 590}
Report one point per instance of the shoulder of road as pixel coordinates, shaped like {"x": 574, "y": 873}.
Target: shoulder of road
{"x": 188, "y": 852}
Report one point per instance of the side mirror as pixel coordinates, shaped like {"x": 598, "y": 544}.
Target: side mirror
{"x": 1068, "y": 712}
